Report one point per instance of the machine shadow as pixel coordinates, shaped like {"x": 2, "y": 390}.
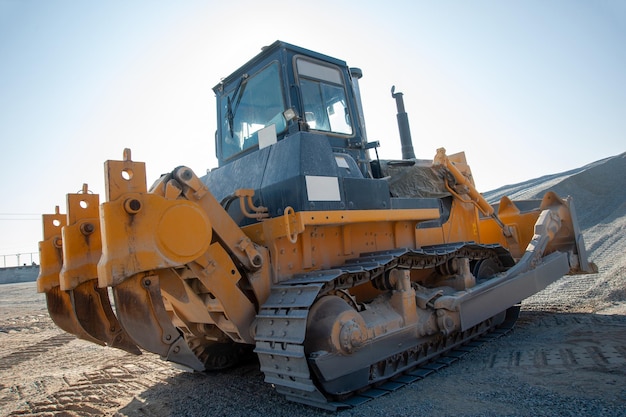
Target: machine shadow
{"x": 215, "y": 393}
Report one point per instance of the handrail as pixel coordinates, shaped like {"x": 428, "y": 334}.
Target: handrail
{"x": 20, "y": 259}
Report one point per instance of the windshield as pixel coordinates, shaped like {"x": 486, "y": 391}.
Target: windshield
{"x": 324, "y": 98}
{"x": 250, "y": 106}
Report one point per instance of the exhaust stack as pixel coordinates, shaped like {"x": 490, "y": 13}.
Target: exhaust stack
{"x": 403, "y": 126}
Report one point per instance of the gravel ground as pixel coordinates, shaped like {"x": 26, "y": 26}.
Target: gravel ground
{"x": 553, "y": 363}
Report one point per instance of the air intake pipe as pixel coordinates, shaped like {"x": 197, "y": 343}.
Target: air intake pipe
{"x": 403, "y": 126}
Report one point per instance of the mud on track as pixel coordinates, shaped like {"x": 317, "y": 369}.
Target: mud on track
{"x": 552, "y": 363}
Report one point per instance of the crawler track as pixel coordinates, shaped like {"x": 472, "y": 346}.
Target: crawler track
{"x": 281, "y": 327}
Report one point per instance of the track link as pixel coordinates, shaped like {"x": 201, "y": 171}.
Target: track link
{"x": 282, "y": 320}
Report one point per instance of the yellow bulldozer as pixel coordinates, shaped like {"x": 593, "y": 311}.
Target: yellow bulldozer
{"x": 343, "y": 273}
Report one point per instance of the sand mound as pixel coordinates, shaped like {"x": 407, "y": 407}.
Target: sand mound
{"x": 598, "y": 189}
{"x": 599, "y": 192}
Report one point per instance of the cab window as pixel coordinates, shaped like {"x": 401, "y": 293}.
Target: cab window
{"x": 323, "y": 97}
{"x": 251, "y": 104}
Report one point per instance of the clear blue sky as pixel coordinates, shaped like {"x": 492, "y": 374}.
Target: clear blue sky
{"x": 525, "y": 88}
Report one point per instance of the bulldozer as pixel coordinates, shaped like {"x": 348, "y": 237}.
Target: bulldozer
{"x": 346, "y": 275}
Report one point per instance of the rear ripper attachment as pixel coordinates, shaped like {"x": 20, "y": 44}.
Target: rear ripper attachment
{"x": 159, "y": 253}
{"x": 173, "y": 255}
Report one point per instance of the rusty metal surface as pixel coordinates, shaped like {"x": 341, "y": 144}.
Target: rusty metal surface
{"x": 62, "y": 313}
{"x": 141, "y": 311}
{"x": 92, "y": 307}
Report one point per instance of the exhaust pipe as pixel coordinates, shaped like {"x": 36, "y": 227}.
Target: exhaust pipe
{"x": 403, "y": 126}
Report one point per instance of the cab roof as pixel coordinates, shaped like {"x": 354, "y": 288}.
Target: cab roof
{"x": 268, "y": 51}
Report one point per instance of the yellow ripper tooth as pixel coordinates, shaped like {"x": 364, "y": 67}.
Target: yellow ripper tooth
{"x": 82, "y": 248}
{"x": 51, "y": 262}
{"x": 141, "y": 311}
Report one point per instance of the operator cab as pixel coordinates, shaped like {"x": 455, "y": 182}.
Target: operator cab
{"x": 290, "y": 129}
{"x": 284, "y": 90}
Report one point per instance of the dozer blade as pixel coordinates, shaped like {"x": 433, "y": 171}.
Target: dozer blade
{"x": 82, "y": 248}
{"x": 141, "y": 311}
{"x": 92, "y": 307}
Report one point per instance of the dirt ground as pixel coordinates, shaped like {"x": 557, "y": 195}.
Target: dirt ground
{"x": 553, "y": 363}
